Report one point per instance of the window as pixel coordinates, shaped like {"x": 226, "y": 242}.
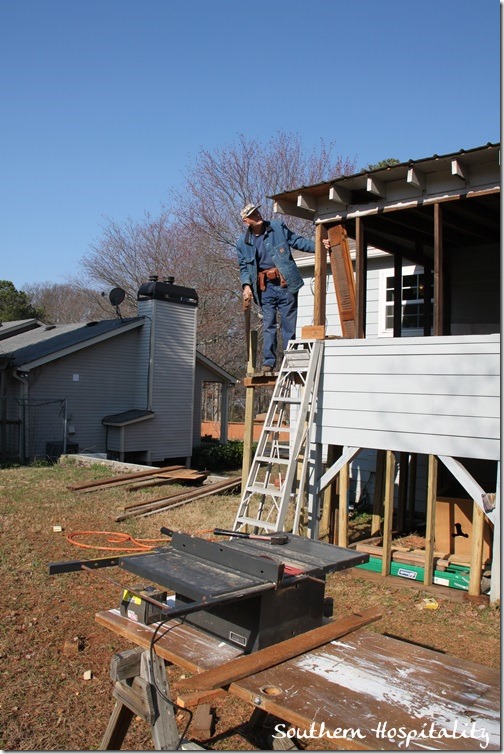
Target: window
{"x": 413, "y": 287}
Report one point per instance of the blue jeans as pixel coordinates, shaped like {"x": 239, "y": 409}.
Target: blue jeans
{"x": 277, "y": 299}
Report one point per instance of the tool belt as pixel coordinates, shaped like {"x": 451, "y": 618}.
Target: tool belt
{"x": 273, "y": 274}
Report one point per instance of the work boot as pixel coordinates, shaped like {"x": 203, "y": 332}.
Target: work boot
{"x": 266, "y": 370}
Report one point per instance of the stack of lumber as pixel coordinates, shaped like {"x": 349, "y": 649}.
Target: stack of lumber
{"x": 156, "y": 505}
{"x": 157, "y": 477}
{"x": 149, "y": 477}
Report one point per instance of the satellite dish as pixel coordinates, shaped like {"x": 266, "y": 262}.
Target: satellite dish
{"x": 116, "y": 296}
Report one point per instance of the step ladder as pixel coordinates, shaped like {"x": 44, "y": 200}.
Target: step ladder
{"x": 264, "y": 505}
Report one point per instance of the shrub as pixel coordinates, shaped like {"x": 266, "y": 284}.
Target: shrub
{"x": 216, "y": 457}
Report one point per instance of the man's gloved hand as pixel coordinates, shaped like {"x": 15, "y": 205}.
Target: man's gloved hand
{"x": 247, "y": 294}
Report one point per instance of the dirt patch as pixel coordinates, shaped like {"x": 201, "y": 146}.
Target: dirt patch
{"x": 49, "y": 638}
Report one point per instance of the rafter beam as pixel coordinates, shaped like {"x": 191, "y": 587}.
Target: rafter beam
{"x": 459, "y": 170}
{"x": 416, "y": 178}
{"x": 376, "y": 187}
{"x": 340, "y": 195}
{"x": 307, "y": 201}
{"x": 288, "y": 208}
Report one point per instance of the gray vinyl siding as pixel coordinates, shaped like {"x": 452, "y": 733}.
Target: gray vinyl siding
{"x": 437, "y": 395}
{"x": 171, "y": 429}
{"x": 96, "y": 381}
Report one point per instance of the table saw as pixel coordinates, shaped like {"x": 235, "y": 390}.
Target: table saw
{"x": 251, "y": 593}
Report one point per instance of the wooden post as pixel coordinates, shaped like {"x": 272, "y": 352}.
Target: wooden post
{"x": 412, "y": 478}
{"x": 496, "y": 546}
{"x": 478, "y": 522}
{"x": 388, "y": 513}
{"x": 327, "y": 522}
{"x": 397, "y": 296}
{"x": 248, "y": 430}
{"x": 402, "y": 492}
{"x": 378, "y": 493}
{"x": 344, "y": 476}
{"x": 360, "y": 278}
{"x": 430, "y": 524}
{"x": 439, "y": 303}
{"x": 319, "y": 302}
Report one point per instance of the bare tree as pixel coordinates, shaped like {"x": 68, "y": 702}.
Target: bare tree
{"x": 194, "y": 240}
{"x": 65, "y": 303}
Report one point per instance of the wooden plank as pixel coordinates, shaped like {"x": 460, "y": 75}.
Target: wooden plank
{"x": 368, "y": 679}
{"x": 119, "y": 479}
{"x": 186, "y": 497}
{"x": 313, "y": 332}
{"x": 278, "y": 653}
{"x": 343, "y": 279}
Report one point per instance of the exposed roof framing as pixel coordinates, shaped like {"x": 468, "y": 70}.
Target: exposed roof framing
{"x": 396, "y": 203}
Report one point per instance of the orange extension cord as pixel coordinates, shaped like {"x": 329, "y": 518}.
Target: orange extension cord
{"x": 119, "y": 538}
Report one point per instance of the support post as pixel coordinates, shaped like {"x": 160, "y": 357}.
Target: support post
{"x": 478, "y": 522}
{"x": 388, "y": 512}
{"x": 248, "y": 430}
{"x": 344, "y": 477}
{"x": 360, "y": 278}
{"x": 430, "y": 524}
{"x": 378, "y": 492}
{"x": 320, "y": 287}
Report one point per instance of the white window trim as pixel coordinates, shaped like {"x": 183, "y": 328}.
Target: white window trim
{"x": 383, "y": 331}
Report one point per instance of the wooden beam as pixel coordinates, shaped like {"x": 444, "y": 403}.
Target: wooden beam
{"x": 478, "y": 521}
{"x": 360, "y": 278}
{"x": 340, "y": 195}
{"x": 247, "y": 665}
{"x": 378, "y": 492}
{"x": 344, "y": 477}
{"x": 438, "y": 324}
{"x": 374, "y": 186}
{"x": 471, "y": 486}
{"x": 416, "y": 178}
{"x": 320, "y": 285}
{"x": 430, "y": 525}
{"x": 459, "y": 171}
{"x": 248, "y": 430}
{"x": 330, "y": 474}
{"x": 496, "y": 547}
{"x": 388, "y": 512}
{"x": 327, "y": 522}
{"x": 308, "y": 202}
{"x": 288, "y": 208}
{"x": 397, "y": 296}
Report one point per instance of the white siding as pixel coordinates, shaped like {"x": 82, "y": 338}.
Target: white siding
{"x": 420, "y": 395}
{"x": 333, "y": 327}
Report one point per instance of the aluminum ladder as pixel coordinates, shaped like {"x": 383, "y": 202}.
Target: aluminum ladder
{"x": 264, "y": 505}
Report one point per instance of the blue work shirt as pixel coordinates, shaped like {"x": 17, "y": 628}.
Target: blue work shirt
{"x": 278, "y": 241}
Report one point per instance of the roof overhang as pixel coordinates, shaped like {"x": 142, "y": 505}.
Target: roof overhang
{"x": 396, "y": 203}
{"x": 60, "y": 353}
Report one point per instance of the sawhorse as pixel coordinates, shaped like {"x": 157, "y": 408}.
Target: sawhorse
{"x": 141, "y": 688}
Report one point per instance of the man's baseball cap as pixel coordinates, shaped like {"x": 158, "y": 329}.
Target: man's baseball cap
{"x": 248, "y": 210}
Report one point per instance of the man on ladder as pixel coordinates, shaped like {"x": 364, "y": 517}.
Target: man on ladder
{"x": 269, "y": 275}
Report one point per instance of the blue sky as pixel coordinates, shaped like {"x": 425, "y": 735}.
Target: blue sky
{"x": 107, "y": 102}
